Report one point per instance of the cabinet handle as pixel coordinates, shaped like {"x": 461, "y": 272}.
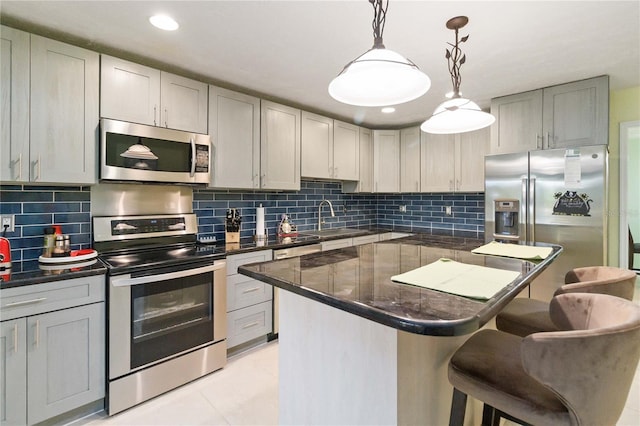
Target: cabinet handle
{"x": 36, "y": 169}
{"x": 251, "y": 324}
{"x": 166, "y": 117}
{"x": 538, "y": 144}
{"x": 335, "y": 172}
{"x": 451, "y": 185}
{"x": 417, "y": 186}
{"x": 155, "y": 112}
{"x": 25, "y": 302}
{"x": 458, "y": 184}
{"x": 549, "y": 141}
{"x": 263, "y": 180}
{"x": 256, "y": 181}
{"x": 15, "y": 338}
{"x": 251, "y": 290}
{"x": 37, "y": 337}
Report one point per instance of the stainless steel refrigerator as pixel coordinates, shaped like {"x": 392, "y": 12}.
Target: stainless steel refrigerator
{"x": 555, "y": 196}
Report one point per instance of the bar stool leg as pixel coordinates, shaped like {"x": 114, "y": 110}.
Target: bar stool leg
{"x": 490, "y": 416}
{"x": 458, "y": 408}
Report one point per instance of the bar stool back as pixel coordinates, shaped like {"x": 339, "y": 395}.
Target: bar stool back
{"x": 524, "y": 316}
{"x": 577, "y": 377}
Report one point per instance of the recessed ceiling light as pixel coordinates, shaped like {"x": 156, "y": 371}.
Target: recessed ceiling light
{"x": 388, "y": 110}
{"x": 164, "y": 22}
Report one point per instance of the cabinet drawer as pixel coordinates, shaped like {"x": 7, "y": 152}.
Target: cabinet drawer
{"x": 249, "y": 323}
{"x": 236, "y": 260}
{"x": 18, "y": 302}
{"x": 243, "y": 291}
{"x": 366, "y": 239}
{"x": 336, "y": 244}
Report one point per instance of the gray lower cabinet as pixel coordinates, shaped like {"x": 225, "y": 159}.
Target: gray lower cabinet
{"x": 249, "y": 301}
{"x": 13, "y": 372}
{"x": 52, "y": 349}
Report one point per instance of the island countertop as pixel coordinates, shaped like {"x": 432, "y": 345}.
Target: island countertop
{"x": 358, "y": 280}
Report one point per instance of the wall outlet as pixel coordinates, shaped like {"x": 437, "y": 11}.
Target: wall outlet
{"x": 9, "y": 221}
{"x": 403, "y": 208}
{"x": 447, "y": 211}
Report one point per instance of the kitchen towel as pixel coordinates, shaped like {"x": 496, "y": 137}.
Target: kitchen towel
{"x": 448, "y": 276}
{"x": 518, "y": 251}
{"x": 260, "y": 221}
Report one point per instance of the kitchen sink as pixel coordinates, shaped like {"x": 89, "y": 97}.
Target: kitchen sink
{"x": 333, "y": 232}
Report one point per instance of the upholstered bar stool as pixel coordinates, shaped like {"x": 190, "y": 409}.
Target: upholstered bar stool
{"x": 524, "y": 316}
{"x": 581, "y": 376}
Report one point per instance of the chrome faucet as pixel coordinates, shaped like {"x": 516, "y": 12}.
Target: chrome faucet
{"x": 320, "y": 221}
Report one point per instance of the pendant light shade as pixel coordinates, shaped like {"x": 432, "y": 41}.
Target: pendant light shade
{"x": 457, "y": 115}
{"x": 380, "y": 76}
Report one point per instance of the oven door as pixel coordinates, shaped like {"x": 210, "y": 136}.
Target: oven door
{"x": 161, "y": 313}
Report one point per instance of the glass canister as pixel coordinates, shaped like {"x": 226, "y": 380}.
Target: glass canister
{"x": 49, "y": 242}
{"x": 67, "y": 245}
{"x": 58, "y": 248}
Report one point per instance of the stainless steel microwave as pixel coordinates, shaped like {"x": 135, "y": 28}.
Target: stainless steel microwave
{"x": 140, "y": 153}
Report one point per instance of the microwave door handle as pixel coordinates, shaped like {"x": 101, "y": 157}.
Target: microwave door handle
{"x": 127, "y": 281}
{"x": 193, "y": 156}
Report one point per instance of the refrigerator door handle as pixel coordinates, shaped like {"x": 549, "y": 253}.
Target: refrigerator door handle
{"x": 532, "y": 208}
{"x": 524, "y": 212}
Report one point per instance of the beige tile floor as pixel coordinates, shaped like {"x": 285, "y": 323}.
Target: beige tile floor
{"x": 245, "y": 392}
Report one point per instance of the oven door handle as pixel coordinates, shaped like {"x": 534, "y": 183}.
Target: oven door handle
{"x": 127, "y": 281}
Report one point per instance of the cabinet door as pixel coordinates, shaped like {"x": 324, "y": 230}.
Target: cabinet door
{"x": 66, "y": 360}
{"x": 129, "y": 91}
{"x": 577, "y": 114}
{"x": 518, "y": 125}
{"x": 14, "y": 94}
{"x": 64, "y": 112}
{"x": 386, "y": 160}
{"x": 279, "y": 147}
{"x": 410, "y": 160}
{"x": 234, "y": 126}
{"x": 317, "y": 146}
{"x": 13, "y": 372}
{"x": 366, "y": 161}
{"x": 471, "y": 148}
{"x": 346, "y": 151}
{"x": 438, "y": 162}
{"x": 184, "y": 103}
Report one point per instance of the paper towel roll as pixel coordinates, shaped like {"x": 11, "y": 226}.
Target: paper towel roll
{"x": 260, "y": 220}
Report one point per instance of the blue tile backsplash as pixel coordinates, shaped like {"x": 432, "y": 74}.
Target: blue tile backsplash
{"x": 37, "y": 207}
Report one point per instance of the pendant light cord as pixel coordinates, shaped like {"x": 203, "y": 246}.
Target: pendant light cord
{"x": 455, "y": 59}
{"x": 379, "y": 16}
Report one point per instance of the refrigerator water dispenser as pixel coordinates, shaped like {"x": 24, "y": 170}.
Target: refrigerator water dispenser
{"x": 506, "y": 220}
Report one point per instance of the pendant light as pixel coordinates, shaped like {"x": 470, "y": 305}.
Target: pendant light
{"x": 379, "y": 77}
{"x": 458, "y": 114}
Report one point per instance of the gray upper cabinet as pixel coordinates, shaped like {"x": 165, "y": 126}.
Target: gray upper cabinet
{"x": 365, "y": 164}
{"x": 438, "y": 162}
{"x": 410, "y": 159}
{"x": 567, "y": 115}
{"x": 64, "y": 113}
{"x": 346, "y": 151}
{"x": 518, "y": 125}
{"x": 234, "y": 126}
{"x": 386, "y": 160}
{"x": 14, "y": 94}
{"x": 330, "y": 148}
{"x": 279, "y": 146}
{"x": 576, "y": 114}
{"x": 317, "y": 146}
{"x": 140, "y": 94}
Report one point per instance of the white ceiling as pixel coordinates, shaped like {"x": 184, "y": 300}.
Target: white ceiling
{"x": 290, "y": 50}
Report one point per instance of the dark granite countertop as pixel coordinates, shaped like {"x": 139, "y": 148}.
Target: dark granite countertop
{"x": 358, "y": 280}
{"x": 32, "y": 272}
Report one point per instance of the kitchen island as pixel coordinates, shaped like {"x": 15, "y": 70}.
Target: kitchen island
{"x": 358, "y": 348}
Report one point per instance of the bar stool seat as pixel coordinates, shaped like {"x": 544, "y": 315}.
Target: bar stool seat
{"x": 524, "y": 316}
{"x": 580, "y": 376}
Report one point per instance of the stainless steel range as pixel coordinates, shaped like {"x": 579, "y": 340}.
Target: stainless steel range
{"x": 166, "y": 305}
